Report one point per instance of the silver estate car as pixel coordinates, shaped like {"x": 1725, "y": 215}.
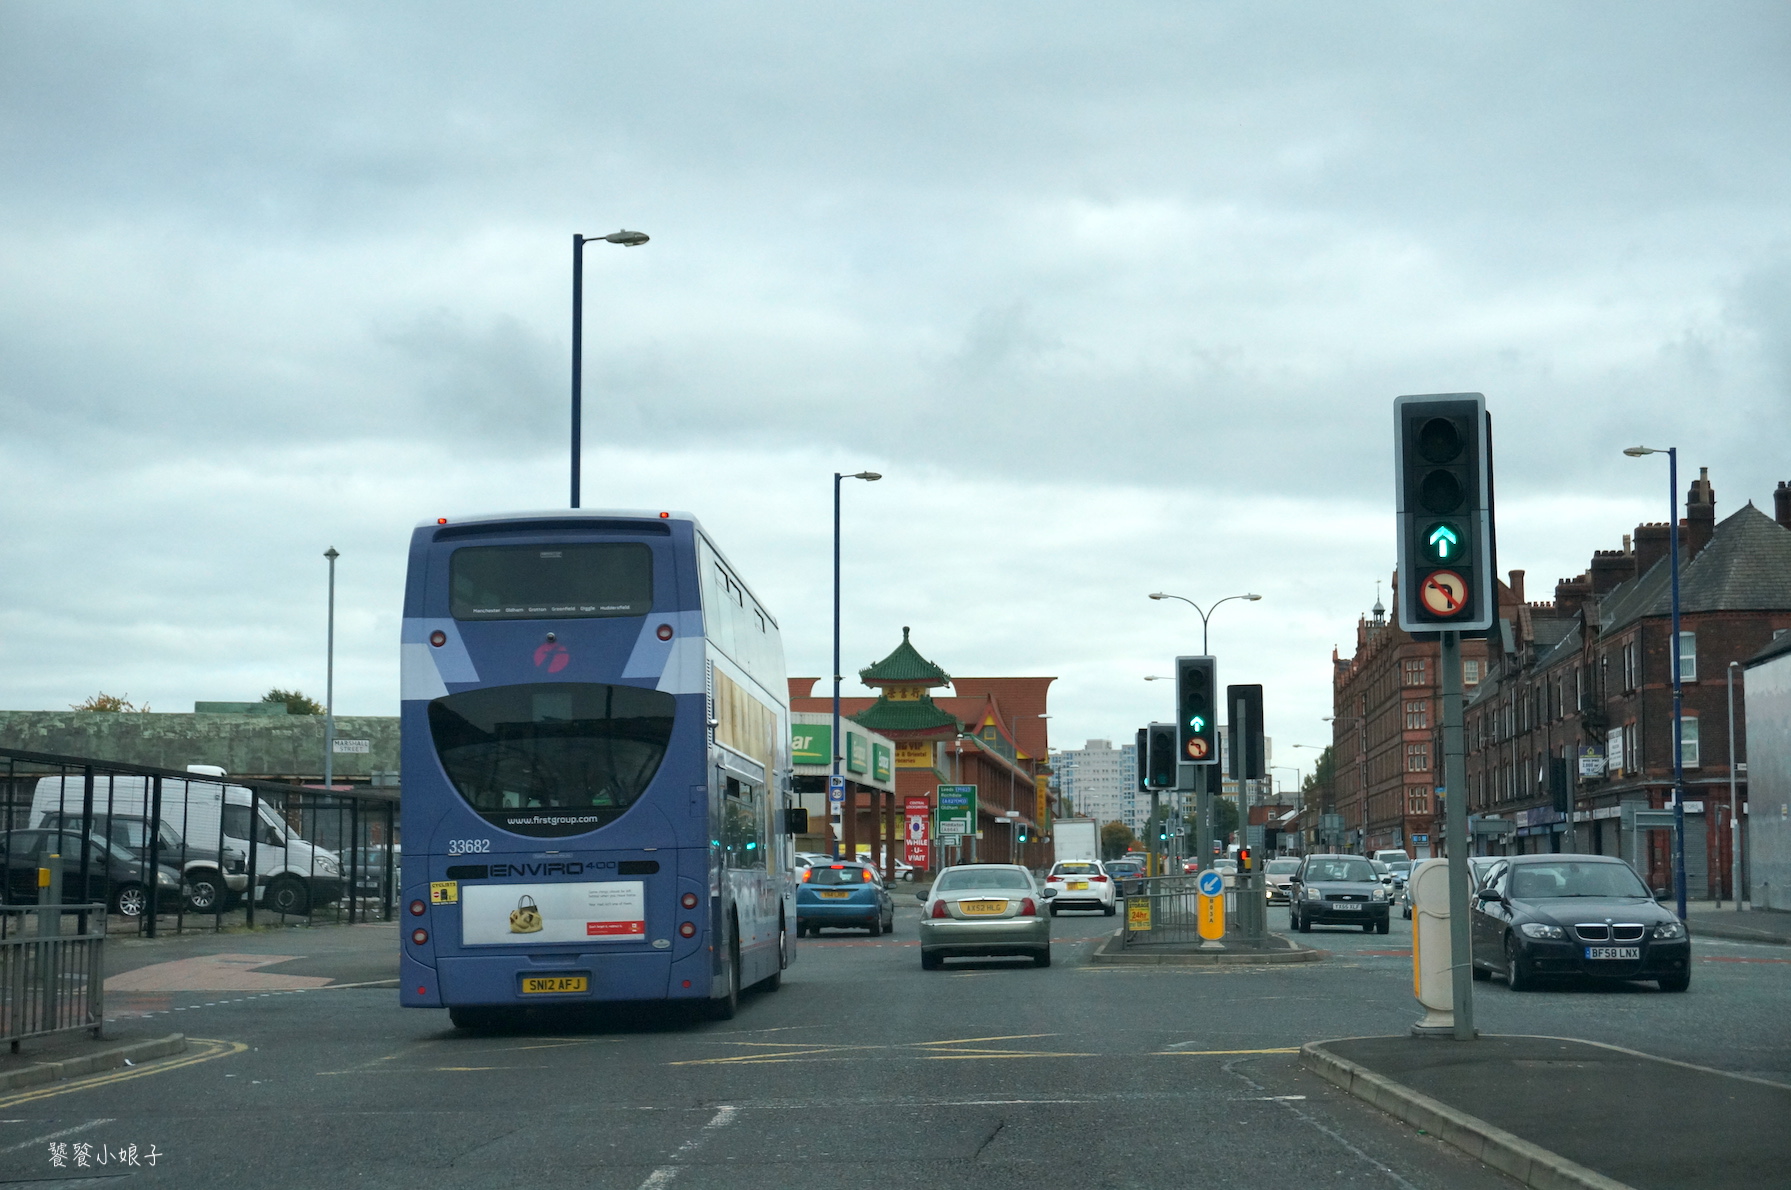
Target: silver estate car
{"x": 985, "y": 909}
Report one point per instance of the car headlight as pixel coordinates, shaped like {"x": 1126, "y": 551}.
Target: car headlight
{"x": 1380, "y": 894}
{"x": 1668, "y": 930}
{"x": 166, "y": 881}
{"x": 1536, "y": 929}
{"x": 1312, "y": 894}
{"x": 328, "y": 867}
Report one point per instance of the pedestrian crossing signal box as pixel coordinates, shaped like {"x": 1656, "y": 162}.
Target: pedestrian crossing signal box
{"x": 1445, "y": 514}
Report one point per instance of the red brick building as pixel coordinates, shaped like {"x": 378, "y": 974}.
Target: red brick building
{"x": 1575, "y": 722}
{"x": 991, "y": 733}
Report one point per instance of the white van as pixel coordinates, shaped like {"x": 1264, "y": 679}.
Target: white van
{"x": 291, "y": 875}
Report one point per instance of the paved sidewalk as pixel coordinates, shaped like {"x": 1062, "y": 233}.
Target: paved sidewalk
{"x": 1557, "y": 1112}
{"x": 1771, "y": 926}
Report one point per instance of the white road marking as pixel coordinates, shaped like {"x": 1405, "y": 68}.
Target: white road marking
{"x": 666, "y": 1174}
{"x": 38, "y": 1140}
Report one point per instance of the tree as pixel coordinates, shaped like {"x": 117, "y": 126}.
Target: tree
{"x": 1225, "y": 817}
{"x": 108, "y": 702}
{"x": 1319, "y": 787}
{"x": 1116, "y": 840}
{"x": 296, "y": 703}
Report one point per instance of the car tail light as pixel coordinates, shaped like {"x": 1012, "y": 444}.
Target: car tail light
{"x": 418, "y": 908}
{"x": 419, "y": 935}
{"x": 687, "y": 930}
{"x": 688, "y": 900}
{"x": 1098, "y": 879}
{"x": 939, "y": 909}
{"x": 806, "y": 873}
{"x": 1028, "y": 908}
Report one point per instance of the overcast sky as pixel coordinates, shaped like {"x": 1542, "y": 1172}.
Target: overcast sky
{"x": 1117, "y": 298}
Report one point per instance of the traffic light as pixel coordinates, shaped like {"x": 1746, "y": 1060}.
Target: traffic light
{"x": 1243, "y": 706}
{"x": 1197, "y": 710}
{"x": 1445, "y": 511}
{"x": 1143, "y": 765}
{"x": 1244, "y": 859}
{"x": 1161, "y": 767}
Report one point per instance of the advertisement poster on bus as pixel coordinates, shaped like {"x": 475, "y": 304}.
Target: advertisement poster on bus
{"x": 505, "y": 914}
{"x": 916, "y": 841}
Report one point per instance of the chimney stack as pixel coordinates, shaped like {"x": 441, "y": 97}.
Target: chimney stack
{"x": 1651, "y": 545}
{"x": 1517, "y": 585}
{"x": 1570, "y": 595}
{"x": 1610, "y": 567}
{"x": 1781, "y": 504}
{"x": 1700, "y": 513}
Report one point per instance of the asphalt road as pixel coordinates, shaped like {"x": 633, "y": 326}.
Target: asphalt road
{"x": 862, "y": 1070}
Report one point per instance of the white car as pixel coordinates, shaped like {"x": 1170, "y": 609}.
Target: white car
{"x": 1081, "y": 884}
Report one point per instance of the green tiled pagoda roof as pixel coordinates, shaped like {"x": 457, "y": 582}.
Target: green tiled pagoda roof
{"x": 904, "y": 665}
{"x": 919, "y": 715}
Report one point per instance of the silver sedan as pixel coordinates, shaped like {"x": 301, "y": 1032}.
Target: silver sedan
{"x": 985, "y": 909}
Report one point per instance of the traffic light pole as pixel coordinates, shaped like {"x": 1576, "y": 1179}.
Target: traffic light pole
{"x": 1455, "y": 837}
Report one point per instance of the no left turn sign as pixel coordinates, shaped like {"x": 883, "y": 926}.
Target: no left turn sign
{"x": 1443, "y": 593}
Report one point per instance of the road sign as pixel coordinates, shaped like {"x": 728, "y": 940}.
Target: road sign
{"x": 1444, "y": 594}
{"x": 1209, "y": 906}
{"x": 836, "y": 789}
{"x": 1138, "y": 913}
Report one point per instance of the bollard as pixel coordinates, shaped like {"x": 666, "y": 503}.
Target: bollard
{"x": 1433, "y": 975}
{"x": 49, "y": 925}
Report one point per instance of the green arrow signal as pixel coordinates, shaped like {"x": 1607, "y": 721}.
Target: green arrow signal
{"x": 1443, "y": 540}
{"x": 1198, "y": 723}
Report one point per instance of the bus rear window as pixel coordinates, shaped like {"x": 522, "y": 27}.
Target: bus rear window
{"x": 551, "y": 582}
{"x": 552, "y": 758}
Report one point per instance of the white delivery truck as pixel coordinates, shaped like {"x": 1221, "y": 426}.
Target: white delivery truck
{"x": 1076, "y": 840}
{"x": 291, "y": 875}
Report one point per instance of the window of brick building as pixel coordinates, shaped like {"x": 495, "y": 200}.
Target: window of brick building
{"x": 1688, "y": 741}
{"x": 1688, "y": 656}
{"x": 1417, "y": 758}
{"x": 1417, "y": 714}
{"x": 1470, "y": 673}
{"x": 1417, "y": 801}
{"x": 1632, "y": 665}
{"x": 1413, "y": 670}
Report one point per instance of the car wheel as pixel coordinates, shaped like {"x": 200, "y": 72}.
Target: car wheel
{"x": 930, "y": 961}
{"x": 876, "y": 927}
{"x": 1110, "y": 910}
{"x": 1516, "y": 977}
{"x": 206, "y": 892}
{"x": 1042, "y": 958}
{"x": 1480, "y": 973}
{"x": 287, "y": 894}
{"x": 1052, "y": 911}
{"x": 1368, "y": 927}
{"x": 131, "y": 900}
{"x": 1381, "y": 927}
{"x": 1406, "y": 913}
{"x": 1675, "y": 983}
{"x": 1301, "y": 924}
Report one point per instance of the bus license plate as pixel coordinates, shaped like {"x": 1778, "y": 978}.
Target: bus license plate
{"x": 982, "y": 908}
{"x": 836, "y": 896}
{"x": 535, "y": 985}
{"x": 1613, "y": 952}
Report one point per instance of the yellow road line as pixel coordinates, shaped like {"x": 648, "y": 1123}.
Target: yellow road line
{"x": 1285, "y": 1049}
{"x": 206, "y": 1051}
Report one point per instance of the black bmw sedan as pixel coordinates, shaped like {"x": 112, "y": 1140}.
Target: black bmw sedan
{"x": 1587, "y": 915}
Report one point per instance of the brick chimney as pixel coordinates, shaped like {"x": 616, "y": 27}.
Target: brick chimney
{"x": 1517, "y": 585}
{"x": 1700, "y": 514}
{"x": 1570, "y": 595}
{"x": 1781, "y": 504}
{"x": 1651, "y": 545}
{"x": 1610, "y": 567}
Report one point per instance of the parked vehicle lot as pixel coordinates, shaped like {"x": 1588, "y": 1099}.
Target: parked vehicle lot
{"x": 114, "y": 876}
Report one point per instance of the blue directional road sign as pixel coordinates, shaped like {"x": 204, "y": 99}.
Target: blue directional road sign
{"x": 1211, "y": 883}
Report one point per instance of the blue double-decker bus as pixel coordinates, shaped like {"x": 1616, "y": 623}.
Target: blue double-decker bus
{"x": 596, "y": 768}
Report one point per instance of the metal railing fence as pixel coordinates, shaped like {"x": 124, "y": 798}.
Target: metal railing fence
{"x": 161, "y": 848}
{"x": 1160, "y": 910}
{"x": 51, "y": 982}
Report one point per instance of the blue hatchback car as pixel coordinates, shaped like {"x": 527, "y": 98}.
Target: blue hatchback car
{"x": 843, "y": 894}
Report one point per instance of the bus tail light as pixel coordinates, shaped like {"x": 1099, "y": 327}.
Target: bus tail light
{"x": 688, "y": 900}
{"x": 418, "y": 908}
{"x": 438, "y": 638}
{"x": 419, "y": 935}
{"x": 665, "y": 632}
{"x": 687, "y": 930}
{"x": 939, "y": 909}
{"x": 1028, "y": 908}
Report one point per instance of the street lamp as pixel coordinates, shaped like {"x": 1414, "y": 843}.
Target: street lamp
{"x": 869, "y": 477}
{"x": 1734, "y": 802}
{"x": 1204, "y": 614}
{"x": 628, "y": 239}
{"x": 329, "y": 681}
{"x": 1672, "y": 453}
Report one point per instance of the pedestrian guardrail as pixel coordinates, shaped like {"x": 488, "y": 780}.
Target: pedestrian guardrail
{"x": 1160, "y": 910}
{"x": 161, "y": 849}
{"x": 51, "y": 981}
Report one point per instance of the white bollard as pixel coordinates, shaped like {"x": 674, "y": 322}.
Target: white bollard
{"x": 1433, "y": 972}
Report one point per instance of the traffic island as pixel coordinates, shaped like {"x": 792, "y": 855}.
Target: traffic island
{"x": 74, "y": 1060}
{"x": 1557, "y": 1112}
{"x": 1273, "y": 950}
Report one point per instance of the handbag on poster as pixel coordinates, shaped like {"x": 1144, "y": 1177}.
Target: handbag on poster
{"x": 526, "y": 917}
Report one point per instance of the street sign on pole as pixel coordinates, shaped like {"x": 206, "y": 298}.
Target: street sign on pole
{"x": 836, "y": 789}
{"x": 1210, "y": 905}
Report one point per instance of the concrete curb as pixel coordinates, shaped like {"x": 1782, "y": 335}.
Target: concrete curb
{"x": 1735, "y": 933}
{"x": 1512, "y": 1155}
{"x": 1110, "y": 952}
{"x": 49, "y": 1072}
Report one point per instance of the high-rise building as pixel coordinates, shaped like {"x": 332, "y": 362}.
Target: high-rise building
{"x": 1100, "y": 781}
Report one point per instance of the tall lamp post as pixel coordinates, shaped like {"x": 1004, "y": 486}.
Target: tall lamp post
{"x": 1734, "y": 799}
{"x": 628, "y": 239}
{"x": 1672, "y": 453}
{"x": 834, "y": 747}
{"x": 1205, "y": 613}
{"x": 329, "y": 681}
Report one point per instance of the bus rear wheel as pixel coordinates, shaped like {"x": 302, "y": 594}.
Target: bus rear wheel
{"x": 724, "y": 1008}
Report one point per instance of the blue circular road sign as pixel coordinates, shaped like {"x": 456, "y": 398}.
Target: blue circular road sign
{"x": 1211, "y": 883}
